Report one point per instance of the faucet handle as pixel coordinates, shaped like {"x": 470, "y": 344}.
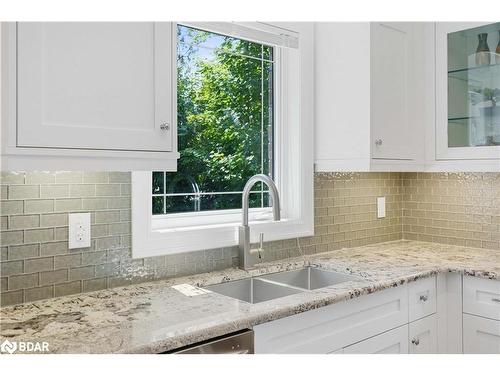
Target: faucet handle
{"x": 261, "y": 244}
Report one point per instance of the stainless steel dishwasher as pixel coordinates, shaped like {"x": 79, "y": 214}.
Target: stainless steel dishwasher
{"x": 235, "y": 343}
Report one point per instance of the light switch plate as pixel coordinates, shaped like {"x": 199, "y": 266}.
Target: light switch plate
{"x": 79, "y": 230}
{"x": 380, "y": 207}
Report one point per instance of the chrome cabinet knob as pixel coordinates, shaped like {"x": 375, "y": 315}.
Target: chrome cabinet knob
{"x": 378, "y": 142}
{"x": 415, "y": 342}
{"x": 164, "y": 126}
{"x": 423, "y": 298}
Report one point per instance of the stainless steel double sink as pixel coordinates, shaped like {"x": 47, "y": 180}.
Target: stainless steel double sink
{"x": 267, "y": 287}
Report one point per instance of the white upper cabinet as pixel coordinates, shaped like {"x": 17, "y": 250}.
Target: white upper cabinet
{"x": 392, "y": 90}
{"x": 370, "y": 107}
{"x": 94, "y": 85}
{"x": 468, "y": 94}
{"x": 102, "y": 93}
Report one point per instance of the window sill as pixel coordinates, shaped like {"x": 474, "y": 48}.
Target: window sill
{"x": 233, "y": 225}
{"x": 204, "y": 237}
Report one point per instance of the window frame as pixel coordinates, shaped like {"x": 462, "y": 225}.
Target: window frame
{"x": 293, "y": 167}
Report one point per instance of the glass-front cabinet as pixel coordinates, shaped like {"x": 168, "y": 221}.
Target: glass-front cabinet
{"x": 468, "y": 91}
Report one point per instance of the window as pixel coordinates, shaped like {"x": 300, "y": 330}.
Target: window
{"x": 245, "y": 106}
{"x": 225, "y": 96}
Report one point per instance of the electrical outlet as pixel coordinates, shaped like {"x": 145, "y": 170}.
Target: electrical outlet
{"x": 79, "y": 230}
{"x": 380, "y": 207}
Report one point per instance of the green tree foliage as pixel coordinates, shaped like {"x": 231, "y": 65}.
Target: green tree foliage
{"x": 220, "y": 105}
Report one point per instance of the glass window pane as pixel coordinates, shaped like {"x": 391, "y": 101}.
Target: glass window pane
{"x": 225, "y": 122}
{"x": 157, "y": 205}
{"x": 198, "y": 39}
{"x": 184, "y": 203}
{"x": 260, "y": 199}
{"x": 181, "y": 182}
{"x": 267, "y": 53}
{"x": 158, "y": 182}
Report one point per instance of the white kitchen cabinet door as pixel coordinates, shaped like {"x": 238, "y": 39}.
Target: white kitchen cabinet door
{"x": 369, "y": 96}
{"x": 95, "y": 85}
{"x": 392, "y": 86}
{"x": 394, "y": 341}
{"x": 342, "y": 96}
{"x": 481, "y": 335}
{"x": 481, "y": 297}
{"x": 423, "y": 336}
{"x": 333, "y": 327}
{"x": 422, "y": 298}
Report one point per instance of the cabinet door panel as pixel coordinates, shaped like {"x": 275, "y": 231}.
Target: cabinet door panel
{"x": 423, "y": 336}
{"x": 95, "y": 85}
{"x": 481, "y": 335}
{"x": 332, "y": 327}
{"x": 454, "y": 109}
{"x": 392, "y": 342}
{"x": 482, "y": 297}
{"x": 391, "y": 85}
{"x": 422, "y": 298}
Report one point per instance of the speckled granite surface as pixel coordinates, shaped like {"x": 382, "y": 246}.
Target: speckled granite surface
{"x": 153, "y": 317}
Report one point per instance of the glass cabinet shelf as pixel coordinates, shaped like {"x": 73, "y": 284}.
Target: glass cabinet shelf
{"x": 478, "y": 74}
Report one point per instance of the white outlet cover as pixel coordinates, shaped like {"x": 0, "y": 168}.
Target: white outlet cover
{"x": 380, "y": 207}
{"x": 79, "y": 230}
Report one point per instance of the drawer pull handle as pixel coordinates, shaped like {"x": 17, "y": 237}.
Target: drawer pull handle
{"x": 415, "y": 342}
{"x": 424, "y": 298}
{"x": 496, "y": 300}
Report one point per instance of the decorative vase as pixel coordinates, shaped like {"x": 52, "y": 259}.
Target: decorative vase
{"x": 483, "y": 51}
{"x": 497, "y": 57}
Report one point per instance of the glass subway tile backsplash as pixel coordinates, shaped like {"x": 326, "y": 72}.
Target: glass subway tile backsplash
{"x": 35, "y": 263}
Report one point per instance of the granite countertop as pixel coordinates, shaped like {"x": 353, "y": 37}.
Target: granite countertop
{"x": 154, "y": 317}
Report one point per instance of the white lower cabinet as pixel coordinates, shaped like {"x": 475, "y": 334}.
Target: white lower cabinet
{"x": 422, "y": 335}
{"x": 404, "y": 319}
{"x": 422, "y": 298}
{"x": 419, "y": 337}
{"x": 394, "y": 341}
{"x": 481, "y": 315}
{"x": 330, "y": 328}
{"x": 481, "y": 335}
{"x": 482, "y": 297}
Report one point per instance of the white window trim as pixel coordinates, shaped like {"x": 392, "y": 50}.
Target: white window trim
{"x": 294, "y": 160}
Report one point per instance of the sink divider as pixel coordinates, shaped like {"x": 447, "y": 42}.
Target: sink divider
{"x": 262, "y": 278}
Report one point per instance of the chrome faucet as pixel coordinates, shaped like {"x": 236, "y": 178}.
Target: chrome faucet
{"x": 245, "y": 254}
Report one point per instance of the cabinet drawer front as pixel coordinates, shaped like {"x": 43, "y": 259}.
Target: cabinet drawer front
{"x": 423, "y": 336}
{"x": 481, "y": 335}
{"x": 330, "y": 328}
{"x": 422, "y": 298}
{"x": 482, "y": 297}
{"x": 394, "y": 341}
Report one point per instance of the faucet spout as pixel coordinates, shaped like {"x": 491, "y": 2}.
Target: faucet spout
{"x": 244, "y": 231}
{"x": 274, "y": 196}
